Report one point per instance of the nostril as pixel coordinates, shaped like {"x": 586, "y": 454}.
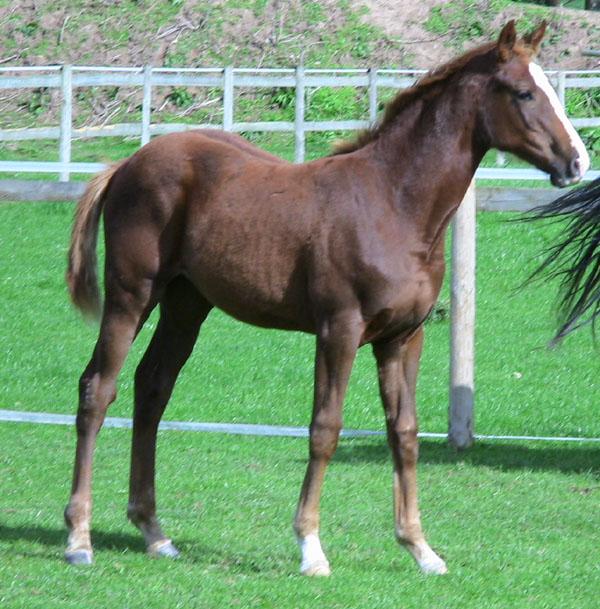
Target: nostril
{"x": 575, "y": 167}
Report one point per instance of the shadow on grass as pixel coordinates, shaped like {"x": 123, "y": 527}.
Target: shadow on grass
{"x": 505, "y": 456}
{"x": 57, "y": 538}
{"x": 192, "y": 551}
{"x": 240, "y": 561}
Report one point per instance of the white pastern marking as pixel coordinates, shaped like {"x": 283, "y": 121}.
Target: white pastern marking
{"x": 312, "y": 552}
{"x": 544, "y": 84}
{"x": 429, "y": 561}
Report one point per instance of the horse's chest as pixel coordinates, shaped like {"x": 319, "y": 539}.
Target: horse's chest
{"x": 398, "y": 304}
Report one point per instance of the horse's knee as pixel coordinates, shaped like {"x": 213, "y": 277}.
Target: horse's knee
{"x": 324, "y": 436}
{"x": 406, "y": 442}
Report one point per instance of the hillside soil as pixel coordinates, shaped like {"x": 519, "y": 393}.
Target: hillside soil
{"x": 276, "y": 33}
{"x": 254, "y": 33}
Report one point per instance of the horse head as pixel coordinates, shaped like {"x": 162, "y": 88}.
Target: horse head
{"x": 523, "y": 115}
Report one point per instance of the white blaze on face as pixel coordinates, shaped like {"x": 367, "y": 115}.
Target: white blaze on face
{"x": 544, "y": 84}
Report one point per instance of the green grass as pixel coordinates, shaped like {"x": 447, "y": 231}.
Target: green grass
{"x": 231, "y": 375}
{"x": 516, "y": 522}
{"x": 461, "y": 21}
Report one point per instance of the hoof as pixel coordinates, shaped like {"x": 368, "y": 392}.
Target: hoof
{"x": 429, "y": 562}
{"x": 163, "y": 548}
{"x": 78, "y": 557}
{"x": 319, "y": 568}
{"x": 434, "y": 567}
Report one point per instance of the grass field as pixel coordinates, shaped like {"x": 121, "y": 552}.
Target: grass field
{"x": 516, "y": 522}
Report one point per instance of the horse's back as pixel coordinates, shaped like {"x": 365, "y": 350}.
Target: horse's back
{"x": 181, "y": 168}
{"x": 212, "y": 207}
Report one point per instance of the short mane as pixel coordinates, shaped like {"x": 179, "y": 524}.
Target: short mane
{"x": 406, "y": 96}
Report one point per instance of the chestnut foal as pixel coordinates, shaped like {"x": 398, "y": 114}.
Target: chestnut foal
{"x": 349, "y": 248}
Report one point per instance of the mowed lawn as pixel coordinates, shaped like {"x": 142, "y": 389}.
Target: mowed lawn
{"x": 516, "y": 521}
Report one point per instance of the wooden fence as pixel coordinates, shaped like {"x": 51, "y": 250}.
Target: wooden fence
{"x": 461, "y": 409}
{"x": 228, "y": 79}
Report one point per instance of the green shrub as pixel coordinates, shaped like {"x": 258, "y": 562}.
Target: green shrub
{"x": 181, "y": 97}
{"x": 329, "y": 103}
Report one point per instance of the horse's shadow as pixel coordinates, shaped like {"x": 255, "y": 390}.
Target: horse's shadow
{"x": 56, "y": 538}
{"x": 53, "y": 540}
{"x": 501, "y": 455}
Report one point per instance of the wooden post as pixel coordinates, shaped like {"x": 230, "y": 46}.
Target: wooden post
{"x": 300, "y": 137}
{"x": 372, "y": 95}
{"x": 561, "y": 88}
{"x": 146, "y": 105}
{"x": 66, "y": 119}
{"x": 228, "y": 98}
{"x": 462, "y": 324}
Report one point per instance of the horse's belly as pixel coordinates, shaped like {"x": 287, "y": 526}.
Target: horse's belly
{"x": 258, "y": 295}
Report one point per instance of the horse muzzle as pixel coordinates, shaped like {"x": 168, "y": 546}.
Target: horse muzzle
{"x": 571, "y": 173}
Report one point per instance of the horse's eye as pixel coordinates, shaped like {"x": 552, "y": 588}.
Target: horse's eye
{"x": 525, "y": 95}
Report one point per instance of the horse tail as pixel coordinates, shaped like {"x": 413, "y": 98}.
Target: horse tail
{"x": 81, "y": 275}
{"x": 575, "y": 258}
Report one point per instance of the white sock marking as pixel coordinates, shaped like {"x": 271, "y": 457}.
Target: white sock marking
{"x": 544, "y": 84}
{"x": 312, "y": 552}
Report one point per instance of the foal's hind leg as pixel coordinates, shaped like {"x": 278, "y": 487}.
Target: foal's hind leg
{"x": 398, "y": 365}
{"x": 182, "y": 311}
{"x": 124, "y": 312}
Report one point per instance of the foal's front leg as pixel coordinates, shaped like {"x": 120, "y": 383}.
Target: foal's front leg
{"x": 398, "y": 365}
{"x": 337, "y": 344}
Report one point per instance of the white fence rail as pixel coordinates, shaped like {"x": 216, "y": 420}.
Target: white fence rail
{"x": 67, "y": 78}
{"x": 463, "y": 247}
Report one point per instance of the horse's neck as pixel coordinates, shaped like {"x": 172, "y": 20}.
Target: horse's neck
{"x": 431, "y": 155}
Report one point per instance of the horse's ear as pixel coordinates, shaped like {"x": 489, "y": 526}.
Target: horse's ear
{"x": 534, "y": 39}
{"x": 506, "y": 40}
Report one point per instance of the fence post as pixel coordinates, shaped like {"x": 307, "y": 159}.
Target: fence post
{"x": 560, "y": 90}
{"x": 66, "y": 119}
{"x": 462, "y": 324}
{"x": 300, "y": 137}
{"x": 372, "y": 95}
{"x": 228, "y": 98}
{"x": 146, "y": 105}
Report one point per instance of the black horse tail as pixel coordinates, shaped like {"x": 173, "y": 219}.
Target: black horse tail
{"x": 575, "y": 258}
